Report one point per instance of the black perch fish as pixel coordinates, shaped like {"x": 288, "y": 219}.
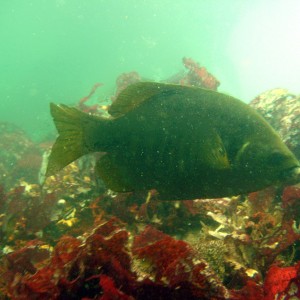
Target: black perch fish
{"x": 185, "y": 142}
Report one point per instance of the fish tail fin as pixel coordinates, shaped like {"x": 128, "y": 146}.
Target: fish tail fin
{"x": 75, "y": 128}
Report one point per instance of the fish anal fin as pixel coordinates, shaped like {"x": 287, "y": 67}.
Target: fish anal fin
{"x": 112, "y": 174}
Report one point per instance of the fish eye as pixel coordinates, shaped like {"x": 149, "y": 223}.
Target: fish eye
{"x": 276, "y": 157}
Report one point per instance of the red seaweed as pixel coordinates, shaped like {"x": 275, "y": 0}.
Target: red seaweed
{"x": 72, "y": 239}
{"x": 198, "y": 76}
{"x": 278, "y": 282}
{"x": 82, "y": 102}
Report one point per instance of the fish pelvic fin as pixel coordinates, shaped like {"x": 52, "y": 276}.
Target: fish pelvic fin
{"x": 75, "y": 129}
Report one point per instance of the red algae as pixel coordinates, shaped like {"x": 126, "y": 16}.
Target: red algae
{"x": 82, "y": 102}
{"x": 110, "y": 291}
{"x": 70, "y": 238}
{"x": 282, "y": 283}
{"x": 175, "y": 264}
{"x": 198, "y": 75}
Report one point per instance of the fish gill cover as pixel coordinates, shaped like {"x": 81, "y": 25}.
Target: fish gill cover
{"x": 70, "y": 238}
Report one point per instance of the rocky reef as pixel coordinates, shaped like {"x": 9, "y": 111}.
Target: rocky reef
{"x": 70, "y": 238}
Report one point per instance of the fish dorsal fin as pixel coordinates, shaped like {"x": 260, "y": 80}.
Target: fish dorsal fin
{"x": 137, "y": 93}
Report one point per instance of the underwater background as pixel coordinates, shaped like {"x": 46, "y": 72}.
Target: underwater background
{"x": 67, "y": 236}
{"x": 54, "y": 50}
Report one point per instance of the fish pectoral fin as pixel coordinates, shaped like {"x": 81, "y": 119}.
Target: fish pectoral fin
{"x": 112, "y": 174}
{"x": 242, "y": 153}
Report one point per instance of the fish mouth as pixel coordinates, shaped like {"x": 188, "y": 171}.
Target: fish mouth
{"x": 292, "y": 175}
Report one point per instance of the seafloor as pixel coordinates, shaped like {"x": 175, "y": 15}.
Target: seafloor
{"x": 70, "y": 238}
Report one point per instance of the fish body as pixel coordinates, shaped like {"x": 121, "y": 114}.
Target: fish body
{"x": 184, "y": 142}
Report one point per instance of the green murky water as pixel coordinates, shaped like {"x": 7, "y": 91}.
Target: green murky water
{"x": 55, "y": 50}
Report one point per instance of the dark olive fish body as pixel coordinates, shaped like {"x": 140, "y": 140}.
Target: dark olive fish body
{"x": 184, "y": 142}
